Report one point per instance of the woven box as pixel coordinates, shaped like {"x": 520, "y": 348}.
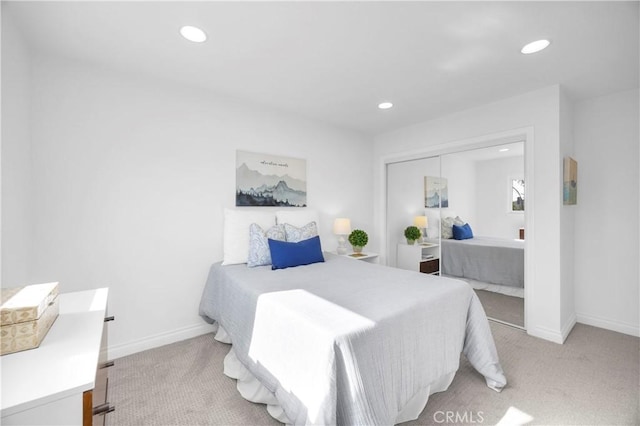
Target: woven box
{"x": 26, "y": 315}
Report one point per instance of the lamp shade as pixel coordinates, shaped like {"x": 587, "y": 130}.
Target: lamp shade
{"x": 421, "y": 222}
{"x": 342, "y": 226}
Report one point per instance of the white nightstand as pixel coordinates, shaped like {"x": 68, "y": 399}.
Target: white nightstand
{"x": 419, "y": 257}
{"x": 366, "y": 256}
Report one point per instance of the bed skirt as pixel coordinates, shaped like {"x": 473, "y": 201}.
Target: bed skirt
{"x": 252, "y": 390}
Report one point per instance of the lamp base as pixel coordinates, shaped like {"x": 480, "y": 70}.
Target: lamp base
{"x": 342, "y": 245}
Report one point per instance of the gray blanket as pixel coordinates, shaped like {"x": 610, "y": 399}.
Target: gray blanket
{"x": 490, "y": 260}
{"x": 346, "y": 341}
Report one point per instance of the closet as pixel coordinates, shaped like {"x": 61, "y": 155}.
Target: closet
{"x": 480, "y": 190}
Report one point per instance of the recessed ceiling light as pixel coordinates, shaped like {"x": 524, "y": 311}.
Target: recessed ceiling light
{"x": 193, "y": 34}
{"x": 535, "y": 46}
{"x": 503, "y": 150}
{"x": 385, "y": 105}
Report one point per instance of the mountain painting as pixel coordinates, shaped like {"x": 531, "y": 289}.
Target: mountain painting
{"x": 269, "y": 180}
{"x": 436, "y": 192}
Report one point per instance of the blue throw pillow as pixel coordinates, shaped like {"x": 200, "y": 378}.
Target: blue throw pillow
{"x": 463, "y": 232}
{"x": 286, "y": 255}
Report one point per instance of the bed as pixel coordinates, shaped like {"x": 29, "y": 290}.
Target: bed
{"x": 485, "y": 260}
{"x": 345, "y": 341}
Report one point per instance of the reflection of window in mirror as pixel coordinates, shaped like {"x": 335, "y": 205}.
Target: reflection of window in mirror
{"x": 517, "y": 195}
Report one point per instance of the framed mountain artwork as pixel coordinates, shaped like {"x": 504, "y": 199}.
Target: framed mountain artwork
{"x": 270, "y": 180}
{"x": 436, "y": 192}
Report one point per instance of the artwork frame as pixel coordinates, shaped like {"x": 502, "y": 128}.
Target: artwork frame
{"x": 570, "y": 182}
{"x": 268, "y": 180}
{"x": 436, "y": 192}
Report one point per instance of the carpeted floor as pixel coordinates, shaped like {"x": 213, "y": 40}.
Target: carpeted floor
{"x": 593, "y": 379}
{"x": 505, "y": 308}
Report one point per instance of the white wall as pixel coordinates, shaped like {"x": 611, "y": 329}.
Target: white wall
{"x": 494, "y": 218}
{"x": 15, "y": 157}
{"x": 130, "y": 178}
{"x": 460, "y": 175}
{"x": 535, "y": 113}
{"x": 478, "y": 192}
{"x": 606, "y": 216}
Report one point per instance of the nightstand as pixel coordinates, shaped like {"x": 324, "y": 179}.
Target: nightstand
{"x": 366, "y": 256}
{"x": 419, "y": 257}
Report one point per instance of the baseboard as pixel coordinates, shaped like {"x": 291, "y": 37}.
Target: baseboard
{"x": 568, "y": 326}
{"x": 546, "y": 334}
{"x": 118, "y": 351}
{"x": 619, "y": 326}
{"x": 553, "y": 335}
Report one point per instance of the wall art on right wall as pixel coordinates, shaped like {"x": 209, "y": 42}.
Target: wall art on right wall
{"x": 570, "y": 182}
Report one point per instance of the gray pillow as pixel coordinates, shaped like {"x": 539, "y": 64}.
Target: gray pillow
{"x": 259, "y": 253}
{"x": 295, "y": 234}
{"x": 446, "y": 227}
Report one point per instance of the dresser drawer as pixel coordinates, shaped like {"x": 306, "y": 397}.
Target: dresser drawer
{"x": 95, "y": 402}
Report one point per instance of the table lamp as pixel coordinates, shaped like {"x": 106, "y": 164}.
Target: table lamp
{"x": 421, "y": 223}
{"x": 342, "y": 228}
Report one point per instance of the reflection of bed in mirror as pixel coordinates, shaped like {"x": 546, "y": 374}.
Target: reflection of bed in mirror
{"x": 486, "y": 263}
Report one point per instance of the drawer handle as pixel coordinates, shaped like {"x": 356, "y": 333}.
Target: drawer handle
{"x": 111, "y": 318}
{"x": 108, "y": 364}
{"x": 103, "y": 409}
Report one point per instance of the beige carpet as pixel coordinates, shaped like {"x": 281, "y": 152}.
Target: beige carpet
{"x": 592, "y": 379}
{"x": 505, "y": 308}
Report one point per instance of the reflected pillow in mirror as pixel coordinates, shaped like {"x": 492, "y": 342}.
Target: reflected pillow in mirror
{"x": 463, "y": 232}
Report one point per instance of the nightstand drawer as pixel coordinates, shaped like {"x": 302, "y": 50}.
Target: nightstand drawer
{"x": 430, "y": 266}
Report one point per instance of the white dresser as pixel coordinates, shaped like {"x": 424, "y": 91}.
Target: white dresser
{"x": 54, "y": 383}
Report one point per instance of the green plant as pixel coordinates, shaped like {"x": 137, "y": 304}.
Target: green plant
{"x": 358, "y": 238}
{"x": 412, "y": 233}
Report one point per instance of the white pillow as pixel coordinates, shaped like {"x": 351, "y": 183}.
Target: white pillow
{"x": 297, "y": 217}
{"x": 236, "y": 232}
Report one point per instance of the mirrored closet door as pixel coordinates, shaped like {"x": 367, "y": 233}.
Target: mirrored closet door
{"x": 406, "y": 208}
{"x": 469, "y": 207}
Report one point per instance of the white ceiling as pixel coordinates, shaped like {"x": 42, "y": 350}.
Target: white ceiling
{"x": 335, "y": 61}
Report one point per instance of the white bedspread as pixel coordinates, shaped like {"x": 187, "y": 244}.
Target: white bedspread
{"x": 348, "y": 342}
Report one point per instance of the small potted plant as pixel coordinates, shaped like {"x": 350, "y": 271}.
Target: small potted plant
{"x": 358, "y": 239}
{"x": 412, "y": 233}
